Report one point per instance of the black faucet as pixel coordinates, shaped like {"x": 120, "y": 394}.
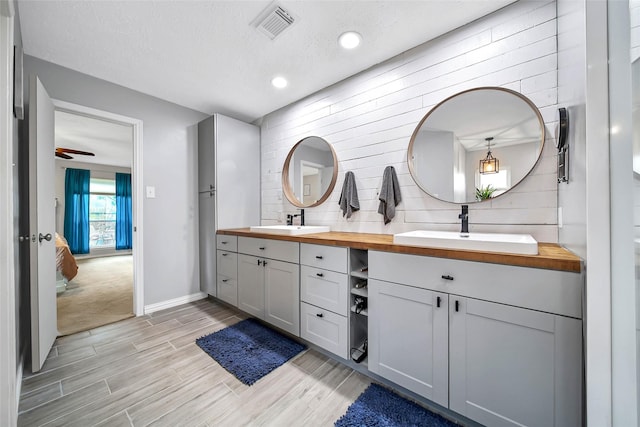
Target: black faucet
{"x": 290, "y": 217}
{"x": 464, "y": 216}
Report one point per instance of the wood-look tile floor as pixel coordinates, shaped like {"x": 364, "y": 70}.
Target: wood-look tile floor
{"x": 148, "y": 371}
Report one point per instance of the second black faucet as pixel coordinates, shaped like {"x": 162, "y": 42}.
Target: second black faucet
{"x": 290, "y": 217}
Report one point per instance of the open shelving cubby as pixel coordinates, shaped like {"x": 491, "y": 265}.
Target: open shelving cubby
{"x": 358, "y": 291}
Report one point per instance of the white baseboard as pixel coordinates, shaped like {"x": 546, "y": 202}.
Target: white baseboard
{"x": 173, "y": 302}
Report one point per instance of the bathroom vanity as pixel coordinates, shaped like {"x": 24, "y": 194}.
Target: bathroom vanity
{"x": 495, "y": 337}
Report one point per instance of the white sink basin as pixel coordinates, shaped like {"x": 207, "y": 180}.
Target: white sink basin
{"x": 488, "y": 242}
{"x": 290, "y": 230}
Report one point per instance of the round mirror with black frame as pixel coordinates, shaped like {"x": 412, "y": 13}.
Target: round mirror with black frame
{"x": 476, "y": 145}
{"x": 310, "y": 172}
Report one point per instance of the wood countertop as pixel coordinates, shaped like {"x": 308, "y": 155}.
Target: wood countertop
{"x": 550, "y": 255}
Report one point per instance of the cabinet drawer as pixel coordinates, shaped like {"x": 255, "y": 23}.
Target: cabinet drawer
{"x": 267, "y": 248}
{"x": 227, "y": 289}
{"x": 228, "y": 264}
{"x": 227, "y": 243}
{"x": 325, "y": 289}
{"x": 326, "y": 257}
{"x": 325, "y": 329}
{"x": 557, "y": 292}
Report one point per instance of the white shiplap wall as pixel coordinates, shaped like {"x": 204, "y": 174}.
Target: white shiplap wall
{"x": 369, "y": 119}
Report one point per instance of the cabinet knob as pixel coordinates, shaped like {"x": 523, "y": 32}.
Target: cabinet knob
{"x": 320, "y": 315}
{"x": 447, "y": 277}
{"x": 319, "y": 274}
{"x": 318, "y": 256}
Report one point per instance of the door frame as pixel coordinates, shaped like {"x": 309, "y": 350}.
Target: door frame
{"x": 137, "y": 189}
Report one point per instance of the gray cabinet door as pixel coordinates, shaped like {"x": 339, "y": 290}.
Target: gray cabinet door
{"x": 251, "y": 285}
{"x": 282, "y": 295}
{"x": 511, "y": 366}
{"x": 207, "y": 242}
{"x": 408, "y": 338}
{"x": 206, "y": 155}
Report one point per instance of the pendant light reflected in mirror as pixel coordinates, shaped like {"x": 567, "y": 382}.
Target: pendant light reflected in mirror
{"x": 489, "y": 164}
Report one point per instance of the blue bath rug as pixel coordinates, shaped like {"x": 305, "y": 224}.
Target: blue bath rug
{"x": 249, "y": 350}
{"x": 380, "y": 407}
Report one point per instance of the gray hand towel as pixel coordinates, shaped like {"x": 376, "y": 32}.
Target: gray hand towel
{"x": 389, "y": 194}
{"x": 349, "y": 202}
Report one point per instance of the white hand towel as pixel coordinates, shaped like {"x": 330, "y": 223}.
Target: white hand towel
{"x": 349, "y": 202}
{"x": 389, "y": 194}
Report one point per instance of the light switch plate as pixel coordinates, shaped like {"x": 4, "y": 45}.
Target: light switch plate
{"x": 151, "y": 192}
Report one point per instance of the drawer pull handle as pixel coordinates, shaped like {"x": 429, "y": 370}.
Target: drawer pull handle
{"x": 318, "y": 256}
{"x": 438, "y": 302}
{"x": 262, "y": 248}
{"x": 320, "y": 315}
{"x": 225, "y": 280}
{"x": 457, "y": 305}
{"x": 319, "y": 274}
{"x": 447, "y": 277}
{"x": 225, "y": 254}
{"x": 224, "y": 242}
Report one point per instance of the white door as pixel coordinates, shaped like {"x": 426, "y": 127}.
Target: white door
{"x": 44, "y": 327}
{"x": 282, "y": 295}
{"x": 512, "y": 366}
{"x": 408, "y": 338}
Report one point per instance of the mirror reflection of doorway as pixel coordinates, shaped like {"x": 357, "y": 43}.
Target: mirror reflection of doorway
{"x": 101, "y": 292}
{"x": 312, "y": 179}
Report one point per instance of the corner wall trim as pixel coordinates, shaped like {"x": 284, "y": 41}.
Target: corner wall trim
{"x": 173, "y": 302}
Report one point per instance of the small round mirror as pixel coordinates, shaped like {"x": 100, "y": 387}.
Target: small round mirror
{"x": 476, "y": 145}
{"x": 310, "y": 172}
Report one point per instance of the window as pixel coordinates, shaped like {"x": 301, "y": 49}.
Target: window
{"x": 102, "y": 213}
{"x": 500, "y": 181}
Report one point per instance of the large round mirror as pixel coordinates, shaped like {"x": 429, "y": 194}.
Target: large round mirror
{"x": 309, "y": 173}
{"x": 476, "y": 145}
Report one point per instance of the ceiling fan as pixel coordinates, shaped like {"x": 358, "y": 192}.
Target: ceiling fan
{"x": 60, "y": 152}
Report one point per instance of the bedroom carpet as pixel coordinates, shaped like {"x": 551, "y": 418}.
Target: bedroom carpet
{"x": 101, "y": 293}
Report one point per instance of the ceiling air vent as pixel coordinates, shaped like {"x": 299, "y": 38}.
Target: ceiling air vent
{"x": 274, "y": 21}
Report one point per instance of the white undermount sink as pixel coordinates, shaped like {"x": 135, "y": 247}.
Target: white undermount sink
{"x": 290, "y": 230}
{"x": 487, "y": 242}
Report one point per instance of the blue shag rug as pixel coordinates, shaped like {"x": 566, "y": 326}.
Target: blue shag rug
{"x": 380, "y": 407}
{"x": 249, "y": 350}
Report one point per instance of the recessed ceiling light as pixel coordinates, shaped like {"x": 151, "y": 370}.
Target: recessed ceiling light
{"x": 349, "y": 40}
{"x": 279, "y": 82}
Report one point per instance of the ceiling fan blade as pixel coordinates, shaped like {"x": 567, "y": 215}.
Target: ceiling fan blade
{"x": 62, "y": 155}
{"x": 72, "y": 151}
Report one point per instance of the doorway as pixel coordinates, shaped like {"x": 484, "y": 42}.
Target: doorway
{"x": 108, "y": 286}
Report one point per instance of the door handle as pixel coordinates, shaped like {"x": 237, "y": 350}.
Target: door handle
{"x": 438, "y": 301}
{"x": 259, "y": 262}
{"x": 46, "y": 237}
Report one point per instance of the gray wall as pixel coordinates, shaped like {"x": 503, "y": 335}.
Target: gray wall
{"x": 572, "y": 196}
{"x": 169, "y": 223}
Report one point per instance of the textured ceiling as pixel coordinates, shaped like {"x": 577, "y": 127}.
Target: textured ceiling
{"x": 208, "y": 56}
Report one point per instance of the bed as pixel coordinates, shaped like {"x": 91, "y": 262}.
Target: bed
{"x": 66, "y": 267}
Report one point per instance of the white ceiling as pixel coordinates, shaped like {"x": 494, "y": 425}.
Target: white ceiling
{"x": 208, "y": 56}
